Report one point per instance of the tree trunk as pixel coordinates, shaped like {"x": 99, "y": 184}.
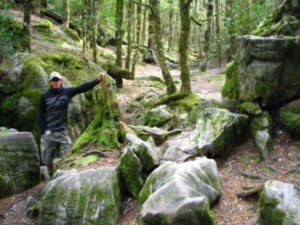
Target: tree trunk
{"x": 144, "y": 30}
{"x": 138, "y": 38}
{"x": 119, "y": 33}
{"x": 66, "y": 16}
{"x": 171, "y": 15}
{"x": 184, "y": 46}
{"x": 26, "y": 25}
{"x": 210, "y": 9}
{"x": 130, "y": 18}
{"x": 228, "y": 14}
{"x": 95, "y": 10}
{"x": 37, "y": 7}
{"x": 218, "y": 33}
{"x": 159, "y": 48}
{"x": 84, "y": 25}
{"x": 150, "y": 29}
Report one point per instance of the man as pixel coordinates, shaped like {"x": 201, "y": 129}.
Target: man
{"x": 52, "y": 117}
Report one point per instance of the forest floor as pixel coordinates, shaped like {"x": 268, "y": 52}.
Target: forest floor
{"x": 230, "y": 209}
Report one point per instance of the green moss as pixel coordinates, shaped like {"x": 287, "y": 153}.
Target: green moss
{"x": 11, "y": 36}
{"x": 71, "y": 33}
{"x": 230, "y": 90}
{"x": 270, "y": 214}
{"x": 87, "y": 159}
{"x": 290, "y": 119}
{"x": 262, "y": 122}
{"x": 250, "y": 108}
{"x": 44, "y": 25}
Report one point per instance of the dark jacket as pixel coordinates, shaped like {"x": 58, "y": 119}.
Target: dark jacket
{"x": 53, "y": 106}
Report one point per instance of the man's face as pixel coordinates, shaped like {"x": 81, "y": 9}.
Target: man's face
{"x": 56, "y": 83}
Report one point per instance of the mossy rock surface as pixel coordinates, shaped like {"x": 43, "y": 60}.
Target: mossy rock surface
{"x": 279, "y": 204}
{"x": 19, "y": 162}
{"x": 87, "y": 197}
{"x": 11, "y": 36}
{"x": 180, "y": 193}
{"x": 71, "y": 33}
{"x": 44, "y": 25}
{"x": 231, "y": 86}
{"x": 289, "y": 116}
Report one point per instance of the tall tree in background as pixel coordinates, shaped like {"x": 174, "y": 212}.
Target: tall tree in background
{"x": 37, "y": 6}
{"x": 229, "y": 24}
{"x": 138, "y": 37}
{"x": 95, "y": 18}
{"x": 171, "y": 15}
{"x": 209, "y": 14}
{"x": 130, "y": 17}
{"x": 150, "y": 29}
{"x": 84, "y": 21}
{"x": 184, "y": 45}
{"x": 218, "y": 32}
{"x": 26, "y": 25}
{"x": 119, "y": 33}
{"x": 159, "y": 47}
{"x": 66, "y": 16}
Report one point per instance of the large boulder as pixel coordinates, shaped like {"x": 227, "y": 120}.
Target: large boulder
{"x": 87, "y": 197}
{"x": 138, "y": 159}
{"x": 267, "y": 66}
{"x": 279, "y": 204}
{"x": 180, "y": 193}
{"x": 217, "y": 131}
{"x": 19, "y": 162}
{"x": 25, "y": 78}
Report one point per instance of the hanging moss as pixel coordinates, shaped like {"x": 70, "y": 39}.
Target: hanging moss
{"x": 230, "y": 90}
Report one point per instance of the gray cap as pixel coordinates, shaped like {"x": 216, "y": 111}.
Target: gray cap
{"x": 55, "y": 74}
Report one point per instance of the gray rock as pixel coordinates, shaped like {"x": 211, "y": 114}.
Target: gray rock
{"x": 87, "y": 197}
{"x": 264, "y": 143}
{"x": 157, "y": 117}
{"x": 146, "y": 151}
{"x": 279, "y": 204}
{"x": 131, "y": 172}
{"x": 268, "y": 70}
{"x": 159, "y": 135}
{"x": 19, "y": 162}
{"x": 180, "y": 193}
{"x": 217, "y": 132}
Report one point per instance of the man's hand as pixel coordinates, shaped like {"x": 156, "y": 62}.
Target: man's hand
{"x": 101, "y": 76}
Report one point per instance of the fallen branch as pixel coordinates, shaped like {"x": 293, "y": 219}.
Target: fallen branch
{"x": 250, "y": 191}
{"x": 251, "y": 175}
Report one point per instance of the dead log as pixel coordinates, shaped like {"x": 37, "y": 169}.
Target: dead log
{"x": 118, "y": 74}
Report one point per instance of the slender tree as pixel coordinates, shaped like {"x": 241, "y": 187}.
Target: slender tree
{"x": 84, "y": 25}
{"x": 150, "y": 28}
{"x": 138, "y": 37}
{"x": 209, "y": 14}
{"x": 184, "y": 45}
{"x": 26, "y": 25}
{"x": 130, "y": 17}
{"x": 218, "y": 32}
{"x": 159, "y": 48}
{"x": 95, "y": 11}
{"x": 119, "y": 33}
{"x": 37, "y": 6}
{"x": 66, "y": 16}
{"x": 171, "y": 25}
{"x": 229, "y": 24}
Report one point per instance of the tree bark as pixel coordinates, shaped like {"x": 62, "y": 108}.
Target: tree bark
{"x": 210, "y": 9}
{"x": 138, "y": 38}
{"x": 150, "y": 28}
{"x": 66, "y": 16}
{"x": 84, "y": 25}
{"x": 184, "y": 46}
{"x": 37, "y": 7}
{"x": 119, "y": 33}
{"x": 218, "y": 33}
{"x": 171, "y": 15}
{"x": 130, "y": 18}
{"x": 228, "y": 13}
{"x": 155, "y": 11}
{"x": 26, "y": 25}
{"x": 95, "y": 11}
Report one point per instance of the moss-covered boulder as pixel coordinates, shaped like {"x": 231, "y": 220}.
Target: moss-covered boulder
{"x": 157, "y": 117}
{"x": 159, "y": 135}
{"x": 262, "y": 129}
{"x": 289, "y": 117}
{"x": 19, "y": 162}
{"x": 25, "y": 77}
{"x": 267, "y": 66}
{"x": 87, "y": 197}
{"x": 44, "y": 25}
{"x": 180, "y": 193}
{"x": 279, "y": 204}
{"x": 216, "y": 133}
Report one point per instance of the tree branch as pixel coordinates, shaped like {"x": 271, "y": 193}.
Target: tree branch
{"x": 199, "y": 22}
{"x": 142, "y": 4}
